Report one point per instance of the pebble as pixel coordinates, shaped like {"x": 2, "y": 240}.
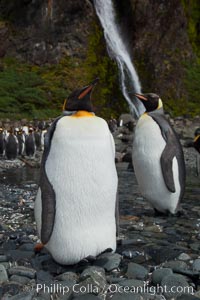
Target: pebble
{"x": 23, "y": 296}
{"x": 86, "y": 297}
{"x": 3, "y": 258}
{"x": 184, "y": 257}
{"x": 124, "y": 296}
{"x": 23, "y": 271}
{"x": 131, "y": 283}
{"x": 109, "y": 261}
{"x": 159, "y": 274}
{"x": 196, "y": 265}
{"x": 3, "y": 274}
{"x": 176, "y": 265}
{"x": 68, "y": 276}
{"x": 20, "y": 279}
{"x": 136, "y": 271}
{"x": 172, "y": 281}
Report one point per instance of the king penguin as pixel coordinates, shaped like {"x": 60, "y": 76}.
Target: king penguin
{"x": 76, "y": 204}
{"x": 158, "y": 157}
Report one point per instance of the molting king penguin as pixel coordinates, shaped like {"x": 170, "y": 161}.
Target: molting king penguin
{"x": 75, "y": 208}
{"x": 158, "y": 157}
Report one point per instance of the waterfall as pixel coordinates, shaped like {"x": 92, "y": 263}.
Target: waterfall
{"x": 118, "y": 51}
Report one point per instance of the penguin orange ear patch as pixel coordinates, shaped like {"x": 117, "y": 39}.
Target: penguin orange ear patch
{"x": 85, "y": 92}
{"x": 141, "y": 97}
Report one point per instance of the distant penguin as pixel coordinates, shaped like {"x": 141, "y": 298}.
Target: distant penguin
{"x": 2, "y": 142}
{"x": 76, "y": 207}
{"x": 11, "y": 148}
{"x": 158, "y": 157}
{"x": 21, "y": 141}
{"x": 30, "y": 146}
{"x": 37, "y": 136}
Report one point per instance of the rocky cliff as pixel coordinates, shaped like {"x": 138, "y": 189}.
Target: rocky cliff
{"x": 59, "y": 45}
{"x": 42, "y": 32}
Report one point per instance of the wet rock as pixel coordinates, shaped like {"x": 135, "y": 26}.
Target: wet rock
{"x": 196, "y": 265}
{"x": 176, "y": 265}
{"x": 71, "y": 276}
{"x": 96, "y": 273}
{"x": 27, "y": 247}
{"x": 170, "y": 282}
{"x": 3, "y": 258}
{"x": 130, "y": 254}
{"x": 87, "y": 286}
{"x": 3, "y": 274}
{"x": 23, "y": 271}
{"x": 23, "y": 296}
{"x": 108, "y": 261}
{"x": 159, "y": 274}
{"x": 125, "y": 296}
{"x": 184, "y": 257}
{"x": 195, "y": 246}
{"x": 132, "y": 283}
{"x": 20, "y": 254}
{"x": 20, "y": 279}
{"x": 136, "y": 271}
{"x": 9, "y": 245}
{"x": 12, "y": 288}
{"x": 127, "y": 156}
{"x": 118, "y": 157}
{"x": 87, "y": 297}
{"x": 187, "y": 297}
{"x": 43, "y": 276}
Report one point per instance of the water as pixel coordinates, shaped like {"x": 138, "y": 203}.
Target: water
{"x": 117, "y": 50}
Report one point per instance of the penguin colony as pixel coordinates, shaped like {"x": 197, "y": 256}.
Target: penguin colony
{"x": 76, "y": 204}
{"x": 23, "y": 141}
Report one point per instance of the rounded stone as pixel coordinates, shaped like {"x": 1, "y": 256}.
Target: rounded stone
{"x": 159, "y": 274}
{"x": 174, "y": 285}
{"x": 3, "y": 274}
{"x": 136, "y": 271}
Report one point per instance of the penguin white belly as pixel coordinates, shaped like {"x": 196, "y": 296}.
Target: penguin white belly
{"x": 148, "y": 146}
{"x": 80, "y": 166}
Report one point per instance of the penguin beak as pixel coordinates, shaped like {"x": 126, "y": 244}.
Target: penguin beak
{"x": 141, "y": 97}
{"x": 64, "y": 104}
{"x": 88, "y": 88}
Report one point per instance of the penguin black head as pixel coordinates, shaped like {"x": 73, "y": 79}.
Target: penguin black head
{"x": 80, "y": 98}
{"x": 197, "y": 132}
{"x": 150, "y": 101}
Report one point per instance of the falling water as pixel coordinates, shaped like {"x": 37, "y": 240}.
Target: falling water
{"x": 118, "y": 51}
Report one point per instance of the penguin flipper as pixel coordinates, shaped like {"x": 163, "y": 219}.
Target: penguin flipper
{"x": 48, "y": 197}
{"x": 167, "y": 156}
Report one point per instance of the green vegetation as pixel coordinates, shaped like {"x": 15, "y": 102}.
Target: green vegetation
{"x": 108, "y": 97}
{"x": 29, "y": 91}
{"x": 192, "y": 11}
{"x": 36, "y": 92}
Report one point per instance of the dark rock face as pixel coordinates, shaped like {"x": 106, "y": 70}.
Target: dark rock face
{"x": 43, "y": 31}
{"x": 156, "y": 32}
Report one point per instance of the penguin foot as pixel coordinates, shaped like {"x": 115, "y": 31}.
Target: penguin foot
{"x": 181, "y": 213}
{"x": 38, "y": 247}
{"x": 158, "y": 213}
{"x": 88, "y": 259}
{"x": 106, "y": 251}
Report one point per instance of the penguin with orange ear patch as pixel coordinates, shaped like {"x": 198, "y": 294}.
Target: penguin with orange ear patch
{"x": 76, "y": 201}
{"x": 158, "y": 157}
